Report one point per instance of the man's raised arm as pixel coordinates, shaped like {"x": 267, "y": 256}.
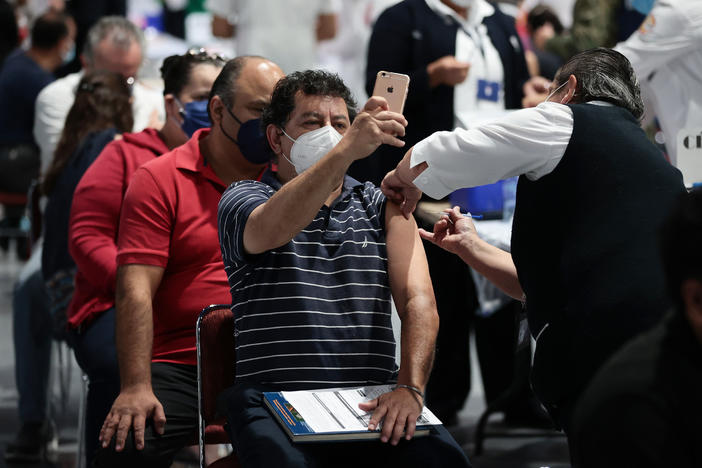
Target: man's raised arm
{"x": 293, "y": 207}
{"x": 414, "y": 297}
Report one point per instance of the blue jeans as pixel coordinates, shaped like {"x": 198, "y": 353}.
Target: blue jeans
{"x": 95, "y": 351}
{"x": 32, "y": 331}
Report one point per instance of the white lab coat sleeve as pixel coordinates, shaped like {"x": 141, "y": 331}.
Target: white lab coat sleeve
{"x": 329, "y": 7}
{"x": 672, "y": 29}
{"x": 50, "y": 110}
{"x": 529, "y": 141}
{"x": 221, "y": 8}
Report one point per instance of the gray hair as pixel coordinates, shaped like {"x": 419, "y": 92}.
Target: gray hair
{"x": 604, "y": 75}
{"x": 120, "y": 30}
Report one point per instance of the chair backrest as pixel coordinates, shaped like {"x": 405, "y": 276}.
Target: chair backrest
{"x": 215, "y": 365}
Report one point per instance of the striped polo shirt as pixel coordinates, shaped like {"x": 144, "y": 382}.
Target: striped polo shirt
{"x": 316, "y": 311}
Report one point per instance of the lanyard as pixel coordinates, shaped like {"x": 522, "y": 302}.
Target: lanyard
{"x": 474, "y": 35}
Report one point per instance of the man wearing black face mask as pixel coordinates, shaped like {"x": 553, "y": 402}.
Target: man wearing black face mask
{"x": 170, "y": 267}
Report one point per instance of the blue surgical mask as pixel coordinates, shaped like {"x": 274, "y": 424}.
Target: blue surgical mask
{"x": 251, "y": 140}
{"x": 70, "y": 54}
{"x": 642, "y": 6}
{"x": 194, "y": 116}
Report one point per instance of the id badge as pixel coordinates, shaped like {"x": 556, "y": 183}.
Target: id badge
{"x": 488, "y": 90}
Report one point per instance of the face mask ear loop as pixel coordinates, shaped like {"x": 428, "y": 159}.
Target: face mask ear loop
{"x": 281, "y": 150}
{"x": 181, "y": 107}
{"x": 233, "y": 116}
{"x": 291, "y": 138}
{"x": 555, "y": 91}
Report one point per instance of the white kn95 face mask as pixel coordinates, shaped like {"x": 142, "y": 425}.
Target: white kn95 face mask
{"x": 310, "y": 147}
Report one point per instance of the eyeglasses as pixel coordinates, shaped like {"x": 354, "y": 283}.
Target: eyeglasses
{"x": 200, "y": 53}
{"x": 88, "y": 87}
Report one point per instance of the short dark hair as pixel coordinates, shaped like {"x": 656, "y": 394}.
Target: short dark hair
{"x": 604, "y": 75}
{"x": 540, "y": 15}
{"x": 49, "y": 29}
{"x": 176, "y": 69}
{"x": 311, "y": 83}
{"x": 224, "y": 85}
{"x": 681, "y": 245}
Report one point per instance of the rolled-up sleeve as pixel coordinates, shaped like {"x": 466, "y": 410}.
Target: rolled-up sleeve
{"x": 527, "y": 142}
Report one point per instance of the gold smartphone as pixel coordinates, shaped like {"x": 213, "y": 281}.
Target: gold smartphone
{"x": 393, "y": 87}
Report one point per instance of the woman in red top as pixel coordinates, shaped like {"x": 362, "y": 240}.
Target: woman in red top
{"x": 94, "y": 223}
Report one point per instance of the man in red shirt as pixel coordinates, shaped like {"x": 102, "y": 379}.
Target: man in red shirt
{"x": 95, "y": 213}
{"x": 170, "y": 267}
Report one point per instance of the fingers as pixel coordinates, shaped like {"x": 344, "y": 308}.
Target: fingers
{"x": 375, "y": 102}
{"x": 391, "y": 126}
{"x": 392, "y": 117}
{"x": 139, "y": 425}
{"x": 409, "y": 204}
{"x": 410, "y": 427}
{"x": 377, "y": 416}
{"x": 388, "y": 425}
{"x": 391, "y": 140}
{"x": 369, "y": 405}
{"x": 426, "y": 235}
{"x": 391, "y": 186}
{"x": 399, "y": 428}
{"x": 125, "y": 423}
{"x": 455, "y": 214}
{"x": 108, "y": 428}
{"x": 443, "y": 224}
{"x": 159, "y": 418}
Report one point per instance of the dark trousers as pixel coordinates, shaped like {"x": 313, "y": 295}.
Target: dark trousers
{"x": 456, "y": 302}
{"x": 94, "y": 348}
{"x": 31, "y": 327}
{"x": 175, "y": 386}
{"x": 259, "y": 441}
{"x": 449, "y": 383}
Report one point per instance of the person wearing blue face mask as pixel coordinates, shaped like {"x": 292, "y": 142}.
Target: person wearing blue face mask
{"x": 250, "y": 140}
{"x": 167, "y": 250}
{"x": 194, "y": 115}
{"x": 95, "y": 213}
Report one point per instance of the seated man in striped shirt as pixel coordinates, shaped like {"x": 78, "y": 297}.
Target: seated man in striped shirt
{"x": 312, "y": 258}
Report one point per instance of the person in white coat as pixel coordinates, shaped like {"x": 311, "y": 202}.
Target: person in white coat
{"x": 666, "y": 53}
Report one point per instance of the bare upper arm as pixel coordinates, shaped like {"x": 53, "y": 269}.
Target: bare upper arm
{"x": 407, "y": 262}
{"x": 138, "y": 281}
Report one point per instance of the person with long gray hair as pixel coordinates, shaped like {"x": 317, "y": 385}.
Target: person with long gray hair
{"x": 592, "y": 194}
